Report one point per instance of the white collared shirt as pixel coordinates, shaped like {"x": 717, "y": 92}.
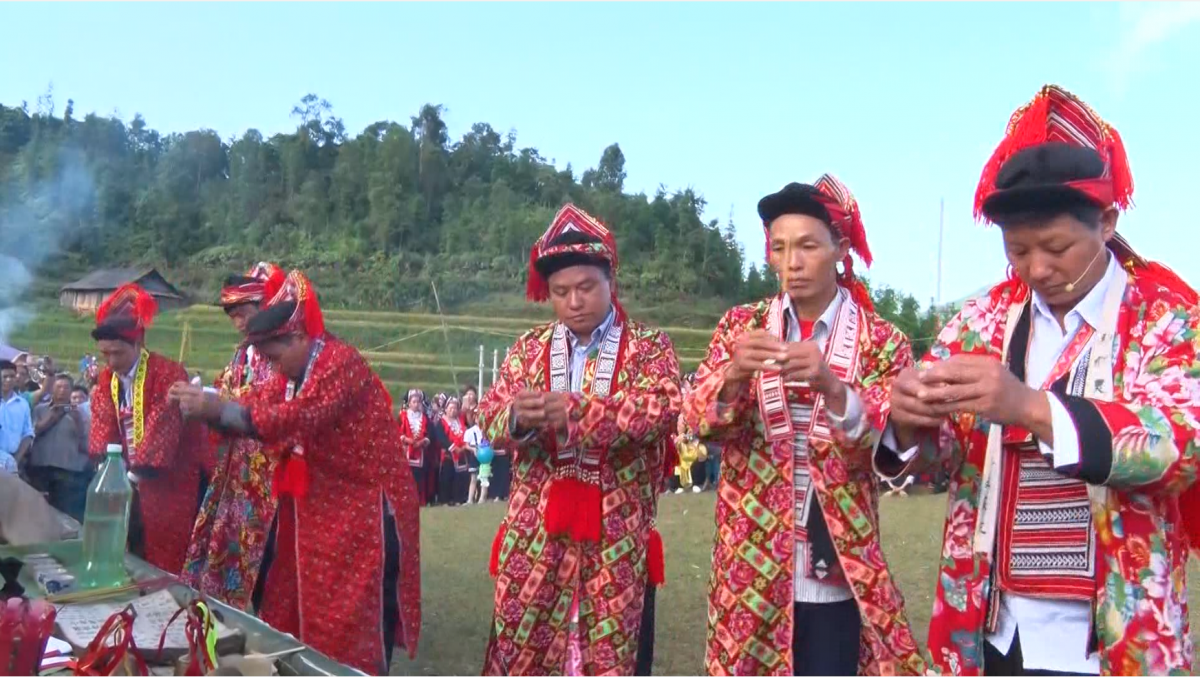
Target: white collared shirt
{"x": 580, "y": 351}
{"x": 1055, "y": 633}
{"x": 805, "y": 589}
{"x": 850, "y": 420}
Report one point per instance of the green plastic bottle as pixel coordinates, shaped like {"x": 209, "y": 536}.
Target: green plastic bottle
{"x": 106, "y": 524}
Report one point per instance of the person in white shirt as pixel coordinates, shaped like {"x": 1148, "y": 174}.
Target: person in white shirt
{"x": 477, "y": 491}
{"x": 1064, "y": 405}
{"x": 795, "y": 389}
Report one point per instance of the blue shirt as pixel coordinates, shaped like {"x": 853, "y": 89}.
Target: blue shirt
{"x": 580, "y": 353}
{"x": 16, "y": 424}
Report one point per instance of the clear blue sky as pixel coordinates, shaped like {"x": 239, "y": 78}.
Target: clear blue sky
{"x": 903, "y": 102}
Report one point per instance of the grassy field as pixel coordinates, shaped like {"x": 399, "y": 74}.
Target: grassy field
{"x": 408, "y": 350}
{"x": 455, "y": 544}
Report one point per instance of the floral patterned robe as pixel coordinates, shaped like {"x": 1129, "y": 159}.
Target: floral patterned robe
{"x": 751, "y": 594}
{"x": 325, "y": 585}
{"x": 231, "y": 531}
{"x": 1151, "y": 427}
{"x": 539, "y": 575}
{"x": 168, "y": 458}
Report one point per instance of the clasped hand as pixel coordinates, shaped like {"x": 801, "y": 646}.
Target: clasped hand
{"x": 759, "y": 351}
{"x": 922, "y": 398}
{"x": 536, "y": 410}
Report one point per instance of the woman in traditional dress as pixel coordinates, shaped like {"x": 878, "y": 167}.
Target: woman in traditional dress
{"x": 455, "y": 463}
{"x": 414, "y": 435}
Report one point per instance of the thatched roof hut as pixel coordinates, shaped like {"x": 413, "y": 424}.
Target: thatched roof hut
{"x": 85, "y": 295}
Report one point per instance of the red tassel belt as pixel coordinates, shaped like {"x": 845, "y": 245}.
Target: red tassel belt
{"x": 573, "y": 508}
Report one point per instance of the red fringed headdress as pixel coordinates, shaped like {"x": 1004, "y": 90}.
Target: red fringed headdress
{"x": 262, "y": 282}
{"x": 126, "y": 314}
{"x": 1056, "y": 115}
{"x": 846, "y": 219}
{"x": 297, "y": 293}
{"x": 570, "y": 219}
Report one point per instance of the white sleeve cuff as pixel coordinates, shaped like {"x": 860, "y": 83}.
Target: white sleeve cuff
{"x": 888, "y": 439}
{"x": 851, "y": 421}
{"x": 1066, "y": 439}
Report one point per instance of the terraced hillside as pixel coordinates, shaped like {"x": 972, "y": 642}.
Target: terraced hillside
{"x": 427, "y": 351}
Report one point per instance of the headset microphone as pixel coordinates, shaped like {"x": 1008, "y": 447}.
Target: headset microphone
{"x": 1071, "y": 285}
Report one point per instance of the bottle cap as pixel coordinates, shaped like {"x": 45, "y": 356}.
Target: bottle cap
{"x": 114, "y": 449}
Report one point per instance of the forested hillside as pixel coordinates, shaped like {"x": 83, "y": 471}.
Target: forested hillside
{"x": 373, "y": 216}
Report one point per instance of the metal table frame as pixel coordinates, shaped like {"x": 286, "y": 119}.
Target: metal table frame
{"x": 260, "y": 637}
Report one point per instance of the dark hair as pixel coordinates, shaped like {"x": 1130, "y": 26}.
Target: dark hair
{"x": 81, "y": 389}
{"x": 5, "y": 365}
{"x": 64, "y": 376}
{"x": 1082, "y": 211}
{"x": 470, "y": 389}
{"x": 114, "y": 330}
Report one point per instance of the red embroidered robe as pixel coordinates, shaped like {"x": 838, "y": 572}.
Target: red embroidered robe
{"x": 455, "y": 440}
{"x": 325, "y": 585}
{"x": 539, "y": 575}
{"x": 751, "y": 593}
{"x": 167, "y": 459}
{"x": 230, "y": 534}
{"x": 415, "y": 455}
{"x": 1147, "y": 438}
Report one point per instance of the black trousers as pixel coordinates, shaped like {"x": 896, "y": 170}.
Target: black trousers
{"x": 996, "y": 663}
{"x": 825, "y": 638}
{"x": 391, "y": 591}
{"x": 645, "y": 652}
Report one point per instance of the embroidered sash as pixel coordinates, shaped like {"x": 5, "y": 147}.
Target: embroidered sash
{"x": 584, "y": 464}
{"x": 797, "y": 413}
{"x": 574, "y": 499}
{"x": 1094, "y": 376}
{"x": 132, "y": 416}
{"x": 1046, "y": 545}
{"x": 841, "y": 354}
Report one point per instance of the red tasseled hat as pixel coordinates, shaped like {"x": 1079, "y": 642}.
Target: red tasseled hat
{"x": 1044, "y": 156}
{"x": 570, "y": 219}
{"x": 260, "y": 283}
{"x": 125, "y": 315}
{"x": 293, "y": 308}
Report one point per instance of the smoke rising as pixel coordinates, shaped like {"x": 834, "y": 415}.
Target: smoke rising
{"x": 37, "y": 220}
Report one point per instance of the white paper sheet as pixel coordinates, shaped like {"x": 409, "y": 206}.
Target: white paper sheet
{"x": 79, "y": 623}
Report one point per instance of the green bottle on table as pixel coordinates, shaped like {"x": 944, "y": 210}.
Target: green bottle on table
{"x": 106, "y": 524}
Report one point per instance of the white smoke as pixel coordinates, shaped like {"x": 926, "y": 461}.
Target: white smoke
{"x": 36, "y": 220}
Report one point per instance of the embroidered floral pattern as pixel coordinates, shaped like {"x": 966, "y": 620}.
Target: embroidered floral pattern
{"x": 230, "y": 534}
{"x": 609, "y": 576}
{"x": 1141, "y": 596}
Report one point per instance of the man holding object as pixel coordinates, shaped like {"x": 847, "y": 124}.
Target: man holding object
{"x": 584, "y": 404}
{"x": 795, "y": 388}
{"x": 346, "y": 575}
{"x": 1069, "y": 397}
